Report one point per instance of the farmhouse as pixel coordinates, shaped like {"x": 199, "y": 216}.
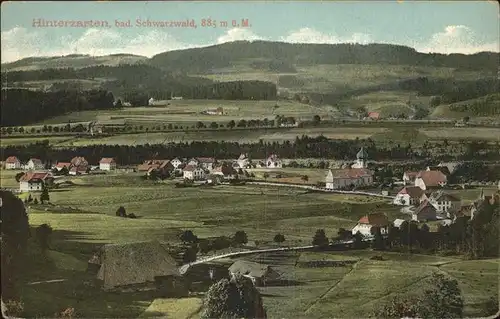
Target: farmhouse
{"x": 225, "y": 171}
{"x": 161, "y": 165}
{"x": 409, "y": 195}
{"x": 217, "y": 111}
{"x": 136, "y": 265}
{"x": 442, "y": 169}
{"x": 176, "y": 162}
{"x": 273, "y": 161}
{"x": 430, "y": 179}
{"x": 193, "y": 173}
{"x": 206, "y": 162}
{"x": 79, "y": 161}
{"x": 452, "y": 166}
{"x": 107, "y": 164}
{"x": 12, "y": 162}
{"x": 61, "y": 165}
{"x": 34, "y": 164}
{"x": 348, "y": 177}
{"x": 374, "y": 115}
{"x": 409, "y": 177}
{"x": 260, "y": 274}
{"x": 361, "y": 158}
{"x": 78, "y": 170}
{"x": 424, "y": 212}
{"x": 243, "y": 161}
{"x": 367, "y": 222}
{"x": 445, "y": 203}
{"x": 34, "y": 181}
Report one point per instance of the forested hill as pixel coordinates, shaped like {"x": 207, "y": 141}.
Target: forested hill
{"x": 208, "y": 59}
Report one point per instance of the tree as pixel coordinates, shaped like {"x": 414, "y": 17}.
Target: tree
{"x": 121, "y": 212}
{"x": 304, "y": 178}
{"x": 320, "y": 238}
{"x": 35, "y": 201}
{"x": 190, "y": 254}
{"x": 43, "y": 233}
{"x": 214, "y": 125}
{"x": 465, "y": 119}
{"x": 44, "y": 197}
{"x": 231, "y": 124}
{"x": 279, "y": 238}
{"x": 240, "y": 237}
{"x": 199, "y": 125}
{"x": 18, "y": 176}
{"x": 265, "y": 175}
{"x": 15, "y": 234}
{"x": 358, "y": 240}
{"x": 316, "y": 119}
{"x": 188, "y": 237}
{"x": 242, "y": 123}
{"x": 233, "y": 298}
{"x": 378, "y": 241}
{"x": 344, "y": 234}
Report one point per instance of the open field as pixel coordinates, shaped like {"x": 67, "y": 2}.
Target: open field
{"x": 7, "y": 178}
{"x": 164, "y": 211}
{"x": 491, "y": 134}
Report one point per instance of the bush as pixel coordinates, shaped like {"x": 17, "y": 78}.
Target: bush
{"x": 240, "y": 237}
{"x": 131, "y": 215}
{"x": 120, "y": 212}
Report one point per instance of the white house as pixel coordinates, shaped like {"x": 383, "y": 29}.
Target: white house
{"x": 243, "y": 161}
{"x": 151, "y": 101}
{"x": 409, "y": 177}
{"x": 340, "y": 178}
{"x": 206, "y": 162}
{"x": 273, "y": 161}
{"x": 34, "y": 164}
{"x": 217, "y": 111}
{"x": 176, "y": 162}
{"x": 361, "y": 159}
{"x": 107, "y": 164}
{"x": 34, "y": 181}
{"x": 367, "y": 222}
{"x": 12, "y": 162}
{"x": 430, "y": 179}
{"x": 445, "y": 203}
{"x": 409, "y": 195}
{"x": 193, "y": 173}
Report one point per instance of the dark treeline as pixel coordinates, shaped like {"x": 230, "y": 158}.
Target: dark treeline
{"x": 209, "y": 59}
{"x": 305, "y": 147}
{"x": 21, "y": 107}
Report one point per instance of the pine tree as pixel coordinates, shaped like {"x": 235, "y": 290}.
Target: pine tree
{"x": 45, "y": 195}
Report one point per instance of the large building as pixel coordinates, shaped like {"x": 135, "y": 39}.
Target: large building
{"x": 366, "y": 224}
{"x": 12, "y": 162}
{"x": 34, "y": 181}
{"x": 107, "y": 164}
{"x": 348, "y": 177}
{"x": 361, "y": 159}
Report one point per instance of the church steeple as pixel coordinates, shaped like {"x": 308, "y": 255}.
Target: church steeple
{"x": 361, "y": 158}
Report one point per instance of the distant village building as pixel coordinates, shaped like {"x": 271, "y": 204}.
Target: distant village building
{"x": 442, "y": 169}
{"x": 34, "y": 164}
{"x": 273, "y": 161}
{"x": 409, "y": 195}
{"x": 425, "y": 212}
{"x": 361, "y": 158}
{"x": 60, "y": 165}
{"x": 348, "y": 177}
{"x": 34, "y": 181}
{"x": 452, "y": 166}
{"x": 78, "y": 170}
{"x": 192, "y": 172}
{"x": 243, "y": 161}
{"x": 217, "y": 111}
{"x": 107, "y": 164}
{"x": 79, "y": 161}
{"x": 373, "y": 115}
{"x": 176, "y": 162}
{"x": 160, "y": 166}
{"x": 445, "y": 203}
{"x": 409, "y": 177}
{"x": 225, "y": 171}
{"x": 12, "y": 162}
{"x": 430, "y": 179}
{"x": 151, "y": 101}
{"x": 259, "y": 274}
{"x": 137, "y": 265}
{"x": 367, "y": 222}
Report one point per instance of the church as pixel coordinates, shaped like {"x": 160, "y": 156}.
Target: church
{"x": 356, "y": 175}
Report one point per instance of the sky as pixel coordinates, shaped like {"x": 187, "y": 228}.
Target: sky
{"x": 428, "y": 26}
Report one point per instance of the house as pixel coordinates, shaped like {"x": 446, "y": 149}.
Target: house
{"x": 409, "y": 195}
{"x": 217, "y": 111}
{"x": 243, "y": 161}
{"x": 136, "y": 264}
{"x": 59, "y": 166}
{"x": 193, "y": 173}
{"x": 361, "y": 158}
{"x": 452, "y": 166}
{"x": 34, "y": 164}
{"x": 12, "y": 162}
{"x": 398, "y": 222}
{"x": 273, "y": 161}
{"x": 347, "y": 177}
{"x": 430, "y": 179}
{"x": 225, "y": 171}
{"x": 206, "y": 162}
{"x": 424, "y": 212}
{"x": 79, "y": 161}
{"x": 151, "y": 101}
{"x": 107, "y": 164}
{"x": 367, "y": 222}
{"x": 34, "y": 181}
{"x": 374, "y": 115}
{"x": 161, "y": 165}
{"x": 442, "y": 169}
{"x": 445, "y": 203}
{"x": 78, "y": 170}
{"x": 176, "y": 162}
{"x": 260, "y": 274}
{"x": 409, "y": 177}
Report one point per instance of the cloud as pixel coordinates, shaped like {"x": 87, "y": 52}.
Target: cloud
{"x": 19, "y": 43}
{"x": 456, "y": 39}
{"x": 309, "y": 35}
{"x": 238, "y": 34}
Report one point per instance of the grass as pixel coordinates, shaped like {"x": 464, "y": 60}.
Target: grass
{"x": 182, "y": 308}
{"x": 7, "y": 178}
{"x": 465, "y": 133}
